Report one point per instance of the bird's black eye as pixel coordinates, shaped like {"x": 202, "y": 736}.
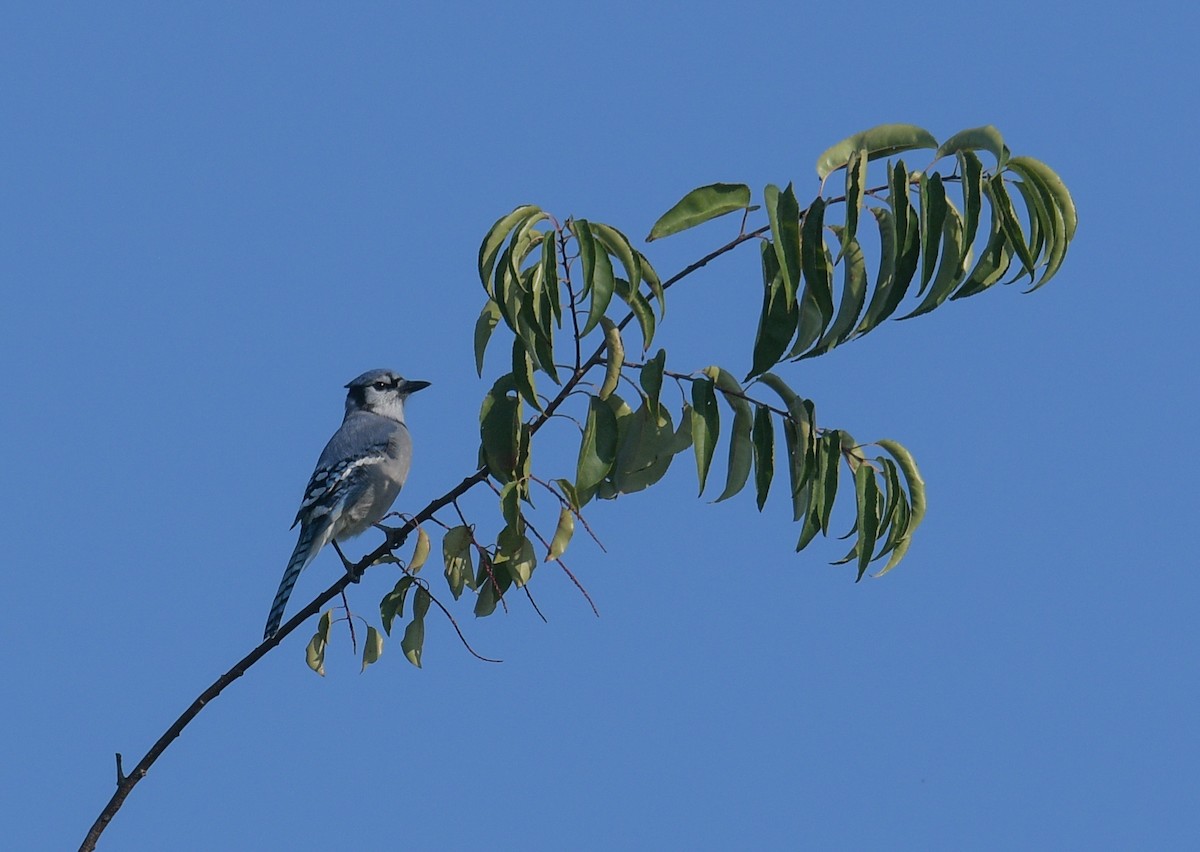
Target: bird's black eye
{"x": 380, "y": 386}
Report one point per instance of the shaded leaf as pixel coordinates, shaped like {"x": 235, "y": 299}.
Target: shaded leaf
{"x": 652, "y": 376}
{"x": 783, "y": 213}
{"x": 414, "y": 634}
{"x": 777, "y": 322}
{"x": 488, "y": 319}
{"x": 763, "y": 438}
{"x": 854, "y": 293}
{"x": 856, "y": 184}
{"x": 706, "y": 426}
{"x": 741, "y": 450}
{"x": 598, "y": 449}
{"x": 1003, "y": 205}
{"x": 866, "y": 495}
{"x": 933, "y": 214}
{"x": 314, "y": 654}
{"x": 499, "y": 419}
{"x": 392, "y": 605}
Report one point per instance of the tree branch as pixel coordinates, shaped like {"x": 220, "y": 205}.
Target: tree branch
{"x": 394, "y": 539}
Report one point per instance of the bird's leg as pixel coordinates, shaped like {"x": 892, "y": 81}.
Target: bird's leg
{"x": 355, "y": 576}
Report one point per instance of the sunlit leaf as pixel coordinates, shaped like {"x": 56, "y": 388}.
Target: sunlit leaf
{"x": 986, "y": 138}
{"x": 881, "y": 141}
{"x": 700, "y": 205}
{"x": 619, "y": 247}
{"x": 456, "y": 555}
{"x": 414, "y": 634}
{"x": 496, "y": 235}
{"x": 562, "y": 533}
{"x": 912, "y": 478}
{"x": 372, "y": 648}
{"x": 642, "y": 312}
{"x": 314, "y": 654}
{"x": 1032, "y": 169}
{"x": 614, "y": 357}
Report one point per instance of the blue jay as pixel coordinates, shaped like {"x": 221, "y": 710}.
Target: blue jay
{"x": 359, "y": 474}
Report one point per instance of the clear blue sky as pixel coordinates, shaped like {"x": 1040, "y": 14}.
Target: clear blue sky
{"x": 214, "y": 215}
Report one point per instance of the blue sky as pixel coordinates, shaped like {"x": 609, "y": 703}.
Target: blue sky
{"x": 213, "y": 217}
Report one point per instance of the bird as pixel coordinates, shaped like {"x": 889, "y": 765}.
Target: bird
{"x": 358, "y": 476}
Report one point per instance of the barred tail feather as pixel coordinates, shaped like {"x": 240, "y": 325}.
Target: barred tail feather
{"x": 310, "y": 543}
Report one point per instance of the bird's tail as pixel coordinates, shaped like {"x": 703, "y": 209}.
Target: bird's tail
{"x": 311, "y": 541}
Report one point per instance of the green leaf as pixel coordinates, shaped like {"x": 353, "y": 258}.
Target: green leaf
{"x": 642, "y": 312}
{"x": 598, "y": 279}
{"x": 614, "y": 358}
{"x": 1032, "y": 169}
{"x": 866, "y": 495}
{"x": 763, "y": 437}
{"x": 700, "y": 205}
{"x": 489, "y": 317}
{"x": 741, "y": 450}
{"x": 562, "y": 533}
{"x": 499, "y": 421}
{"x": 549, "y": 263}
{"x": 912, "y": 478}
{"x": 854, "y": 293}
{"x": 648, "y": 444}
{"x": 494, "y": 239}
{"x": 706, "y": 426}
{"x": 420, "y": 552}
{"x": 814, "y": 260}
{"x": 881, "y": 141}
{"x": 654, "y": 283}
{"x": 652, "y": 376}
{"x": 1054, "y": 222}
{"x": 829, "y": 462}
{"x": 372, "y": 648}
{"x": 972, "y": 192}
{"x": 992, "y": 264}
{"x": 515, "y": 555}
{"x": 456, "y": 554}
{"x": 856, "y": 184}
{"x": 951, "y": 267}
{"x": 777, "y": 322}
{"x": 1009, "y": 222}
{"x": 986, "y": 138}
{"x": 598, "y": 449}
{"x": 414, "y": 634}
{"x": 783, "y": 213}
{"x": 392, "y": 605}
{"x": 618, "y": 246}
{"x": 877, "y": 310}
{"x": 933, "y": 215}
{"x": 314, "y": 654}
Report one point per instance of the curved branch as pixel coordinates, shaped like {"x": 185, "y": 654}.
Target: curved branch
{"x": 395, "y": 538}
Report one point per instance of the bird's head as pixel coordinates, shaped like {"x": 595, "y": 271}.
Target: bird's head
{"x": 382, "y": 392}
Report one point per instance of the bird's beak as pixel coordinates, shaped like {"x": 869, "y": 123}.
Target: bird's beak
{"x": 412, "y": 387}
